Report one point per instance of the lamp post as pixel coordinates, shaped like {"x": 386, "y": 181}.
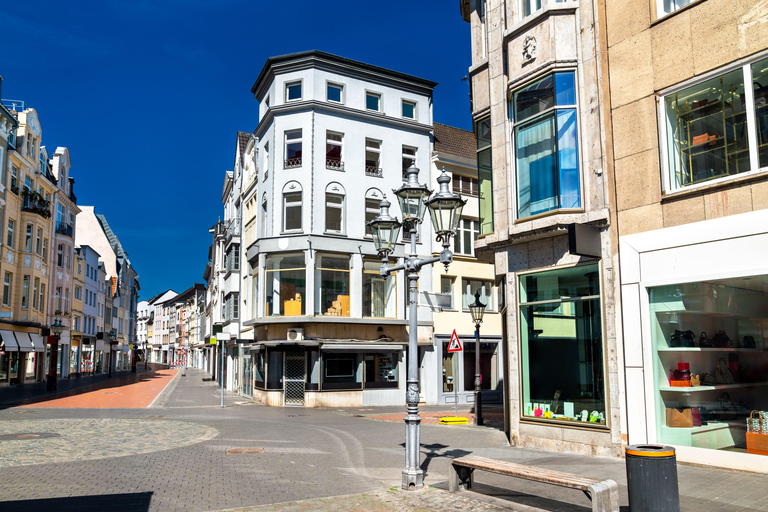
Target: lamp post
{"x": 477, "y": 310}
{"x": 445, "y": 212}
{"x": 133, "y": 358}
{"x": 56, "y": 328}
{"x": 111, "y": 340}
{"x": 146, "y": 354}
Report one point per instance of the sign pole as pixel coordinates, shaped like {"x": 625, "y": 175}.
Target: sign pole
{"x": 455, "y": 384}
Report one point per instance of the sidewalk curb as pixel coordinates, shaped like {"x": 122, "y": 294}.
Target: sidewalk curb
{"x": 166, "y": 392}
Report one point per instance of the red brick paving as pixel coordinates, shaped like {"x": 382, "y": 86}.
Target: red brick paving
{"x": 133, "y": 391}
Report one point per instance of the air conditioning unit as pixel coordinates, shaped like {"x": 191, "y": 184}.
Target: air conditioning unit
{"x": 295, "y": 334}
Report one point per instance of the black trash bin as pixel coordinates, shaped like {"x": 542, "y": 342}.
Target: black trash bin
{"x": 652, "y": 478}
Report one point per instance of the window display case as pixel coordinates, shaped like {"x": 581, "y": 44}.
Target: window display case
{"x": 710, "y": 360}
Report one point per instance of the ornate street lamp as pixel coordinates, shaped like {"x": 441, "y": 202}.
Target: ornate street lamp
{"x": 413, "y": 198}
{"x": 56, "y": 328}
{"x": 477, "y": 310}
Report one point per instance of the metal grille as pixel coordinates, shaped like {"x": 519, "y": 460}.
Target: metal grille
{"x": 294, "y": 378}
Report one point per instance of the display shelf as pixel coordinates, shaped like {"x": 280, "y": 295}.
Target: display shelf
{"x": 700, "y": 389}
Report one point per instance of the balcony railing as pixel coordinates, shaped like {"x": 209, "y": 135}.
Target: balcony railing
{"x": 373, "y": 171}
{"x": 64, "y": 228}
{"x": 290, "y": 163}
{"x": 36, "y": 203}
{"x": 234, "y": 228}
{"x": 334, "y": 163}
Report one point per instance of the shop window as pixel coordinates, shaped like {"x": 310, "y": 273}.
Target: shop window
{"x": 381, "y": 370}
{"x": 546, "y": 146}
{"x": 710, "y": 357}
{"x": 560, "y": 314}
{"x": 489, "y": 365}
{"x": 332, "y": 285}
{"x": 258, "y": 370}
{"x": 342, "y": 371}
{"x": 708, "y": 127}
{"x": 484, "y": 175}
{"x": 286, "y": 285}
{"x": 379, "y": 297}
{"x": 469, "y": 287}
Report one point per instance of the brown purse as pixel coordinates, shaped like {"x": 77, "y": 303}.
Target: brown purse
{"x": 679, "y": 417}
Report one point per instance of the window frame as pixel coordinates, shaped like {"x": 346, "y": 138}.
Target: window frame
{"x": 412, "y": 104}
{"x": 552, "y": 114}
{"x": 474, "y": 231}
{"x": 490, "y": 294}
{"x": 406, "y": 156}
{"x": 295, "y": 161}
{"x": 7, "y": 288}
{"x": 341, "y": 206}
{"x": 288, "y": 86}
{"x": 340, "y": 87}
{"x": 374, "y": 171}
{"x": 373, "y": 94}
{"x": 332, "y": 163}
{"x": 9, "y": 238}
{"x": 25, "y": 292}
{"x": 745, "y": 66}
{"x": 294, "y": 204}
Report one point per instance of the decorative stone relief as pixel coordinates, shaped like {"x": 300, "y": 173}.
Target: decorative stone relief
{"x": 60, "y": 275}
{"x": 27, "y": 260}
{"x": 9, "y": 256}
{"x": 44, "y": 272}
{"x": 530, "y": 51}
{"x": 37, "y": 263}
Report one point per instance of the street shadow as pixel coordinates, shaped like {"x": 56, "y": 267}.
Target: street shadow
{"x": 435, "y": 450}
{"x": 133, "y": 502}
{"x": 101, "y": 382}
{"x": 508, "y": 497}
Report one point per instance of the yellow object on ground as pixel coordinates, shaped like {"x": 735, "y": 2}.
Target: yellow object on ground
{"x": 454, "y": 420}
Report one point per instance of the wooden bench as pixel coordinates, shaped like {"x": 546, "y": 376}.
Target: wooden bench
{"x": 603, "y": 494}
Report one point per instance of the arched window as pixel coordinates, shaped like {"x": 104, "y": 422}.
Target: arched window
{"x": 334, "y": 208}
{"x": 292, "y": 206}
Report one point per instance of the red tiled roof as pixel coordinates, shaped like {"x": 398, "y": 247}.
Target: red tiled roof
{"x": 455, "y": 141}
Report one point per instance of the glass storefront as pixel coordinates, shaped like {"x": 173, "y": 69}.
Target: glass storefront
{"x": 458, "y": 369}
{"x": 286, "y": 285}
{"x": 378, "y": 292}
{"x": 332, "y": 285}
{"x": 381, "y": 370}
{"x": 31, "y": 365}
{"x": 561, "y": 346}
{"x": 710, "y": 361}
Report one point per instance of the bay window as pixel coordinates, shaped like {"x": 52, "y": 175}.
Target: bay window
{"x": 546, "y": 147}
{"x": 286, "y": 283}
{"x": 332, "y": 285}
{"x": 717, "y": 128}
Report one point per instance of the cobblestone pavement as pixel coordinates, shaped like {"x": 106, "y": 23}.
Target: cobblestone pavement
{"x": 310, "y": 459}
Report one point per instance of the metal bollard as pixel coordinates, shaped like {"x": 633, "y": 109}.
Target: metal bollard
{"x": 652, "y": 478}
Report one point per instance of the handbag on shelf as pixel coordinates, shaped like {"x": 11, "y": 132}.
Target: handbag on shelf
{"x": 720, "y": 339}
{"x": 748, "y": 342}
{"x": 682, "y": 339}
{"x": 707, "y": 379}
{"x": 681, "y": 417}
{"x": 704, "y": 341}
{"x": 723, "y": 374}
{"x": 695, "y": 381}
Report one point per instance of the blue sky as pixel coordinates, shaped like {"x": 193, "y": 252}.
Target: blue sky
{"x": 148, "y": 96}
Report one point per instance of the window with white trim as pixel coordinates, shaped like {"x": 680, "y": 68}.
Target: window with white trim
{"x": 372, "y": 209}
{"x": 409, "y": 159}
{"x": 334, "y": 144}
{"x": 293, "y": 148}
{"x": 466, "y": 234}
{"x": 465, "y": 185}
{"x": 670, "y": 6}
{"x": 373, "y": 158}
{"x": 293, "y": 91}
{"x": 408, "y": 109}
{"x": 334, "y": 213}
{"x": 717, "y": 128}
{"x": 292, "y": 206}
{"x": 373, "y": 101}
{"x": 334, "y": 93}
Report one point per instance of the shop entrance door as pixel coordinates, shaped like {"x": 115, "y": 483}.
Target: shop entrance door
{"x": 295, "y": 376}
{"x": 247, "y": 375}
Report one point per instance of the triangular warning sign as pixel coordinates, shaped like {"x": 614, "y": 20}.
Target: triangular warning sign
{"x": 455, "y": 344}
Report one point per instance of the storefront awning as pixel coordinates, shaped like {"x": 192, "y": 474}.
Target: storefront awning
{"x": 298, "y": 343}
{"x": 25, "y": 342}
{"x": 9, "y": 341}
{"x": 64, "y": 338}
{"x": 38, "y": 342}
{"x": 362, "y": 347}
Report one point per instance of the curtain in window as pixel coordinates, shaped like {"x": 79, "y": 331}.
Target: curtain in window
{"x": 568, "y": 159}
{"x": 536, "y": 165}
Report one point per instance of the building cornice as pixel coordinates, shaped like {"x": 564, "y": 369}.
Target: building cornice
{"x": 315, "y": 105}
